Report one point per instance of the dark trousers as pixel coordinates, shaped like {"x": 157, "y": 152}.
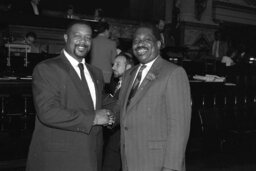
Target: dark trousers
{"x": 112, "y": 156}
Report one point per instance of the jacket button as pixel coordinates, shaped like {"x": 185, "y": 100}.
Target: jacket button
{"x": 126, "y": 128}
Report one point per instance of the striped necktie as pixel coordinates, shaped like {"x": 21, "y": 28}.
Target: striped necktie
{"x": 136, "y": 83}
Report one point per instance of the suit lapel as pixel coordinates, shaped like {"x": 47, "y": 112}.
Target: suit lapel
{"x": 128, "y": 86}
{"x": 150, "y": 78}
{"x": 82, "y": 88}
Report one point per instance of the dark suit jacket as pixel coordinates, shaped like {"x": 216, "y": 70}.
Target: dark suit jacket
{"x": 112, "y": 156}
{"x": 155, "y": 125}
{"x": 223, "y": 48}
{"x": 64, "y": 138}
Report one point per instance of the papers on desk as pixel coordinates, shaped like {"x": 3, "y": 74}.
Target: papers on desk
{"x": 8, "y": 78}
{"x": 230, "y": 84}
{"x": 209, "y": 78}
{"x": 26, "y": 78}
{"x": 16, "y": 78}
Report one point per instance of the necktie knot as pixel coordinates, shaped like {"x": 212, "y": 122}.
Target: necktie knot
{"x": 81, "y": 66}
{"x": 142, "y": 67}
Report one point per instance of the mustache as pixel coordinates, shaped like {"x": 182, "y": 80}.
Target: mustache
{"x": 83, "y": 45}
{"x": 141, "y": 47}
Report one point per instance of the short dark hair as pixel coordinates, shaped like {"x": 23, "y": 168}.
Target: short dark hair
{"x": 103, "y": 26}
{"x": 127, "y": 56}
{"x": 153, "y": 28}
{"x": 31, "y": 34}
{"x": 80, "y": 22}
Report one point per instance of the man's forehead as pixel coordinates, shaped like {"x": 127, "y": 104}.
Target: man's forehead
{"x": 80, "y": 27}
{"x": 143, "y": 30}
{"x": 120, "y": 59}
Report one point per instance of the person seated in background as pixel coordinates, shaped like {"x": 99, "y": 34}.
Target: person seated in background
{"x": 112, "y": 158}
{"x": 30, "y": 39}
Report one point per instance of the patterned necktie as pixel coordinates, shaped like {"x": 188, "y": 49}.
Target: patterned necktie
{"x": 81, "y": 67}
{"x": 118, "y": 86}
{"x": 136, "y": 83}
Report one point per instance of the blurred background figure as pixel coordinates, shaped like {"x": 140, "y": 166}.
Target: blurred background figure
{"x": 103, "y": 51}
{"x": 112, "y": 155}
{"x": 98, "y": 15}
{"x": 71, "y": 12}
{"x": 167, "y": 39}
{"x": 5, "y": 6}
{"x": 35, "y": 6}
{"x": 31, "y": 40}
{"x": 27, "y": 7}
{"x": 219, "y": 46}
{"x": 118, "y": 45}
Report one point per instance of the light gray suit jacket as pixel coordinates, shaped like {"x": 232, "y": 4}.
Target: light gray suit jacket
{"x": 155, "y": 125}
{"x": 103, "y": 54}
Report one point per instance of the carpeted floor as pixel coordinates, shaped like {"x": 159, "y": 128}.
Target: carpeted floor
{"x": 239, "y": 157}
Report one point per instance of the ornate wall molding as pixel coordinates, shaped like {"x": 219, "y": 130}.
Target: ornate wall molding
{"x": 224, "y": 11}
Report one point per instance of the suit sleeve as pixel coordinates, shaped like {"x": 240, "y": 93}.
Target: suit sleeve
{"x": 178, "y": 114}
{"x": 48, "y": 101}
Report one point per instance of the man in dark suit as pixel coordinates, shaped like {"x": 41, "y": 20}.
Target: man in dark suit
{"x": 67, "y": 96}
{"x": 167, "y": 39}
{"x": 112, "y": 157}
{"x": 219, "y": 46}
{"x": 155, "y": 117}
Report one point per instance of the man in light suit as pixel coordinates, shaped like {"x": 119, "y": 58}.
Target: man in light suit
{"x": 67, "y": 97}
{"x": 103, "y": 51}
{"x": 155, "y": 121}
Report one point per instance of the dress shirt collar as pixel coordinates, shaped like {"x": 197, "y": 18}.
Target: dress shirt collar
{"x": 145, "y": 71}
{"x": 72, "y": 60}
{"x": 148, "y": 65}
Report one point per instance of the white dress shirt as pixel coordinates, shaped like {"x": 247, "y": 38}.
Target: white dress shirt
{"x": 145, "y": 71}
{"x": 215, "y": 48}
{"x": 87, "y": 74}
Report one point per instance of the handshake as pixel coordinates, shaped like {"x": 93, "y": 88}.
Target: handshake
{"x": 104, "y": 117}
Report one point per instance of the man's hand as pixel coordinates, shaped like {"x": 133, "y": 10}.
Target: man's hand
{"x": 104, "y": 117}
